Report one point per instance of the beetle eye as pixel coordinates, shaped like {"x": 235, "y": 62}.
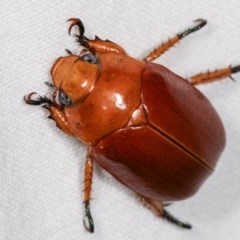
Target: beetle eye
{"x": 89, "y": 57}
{"x": 64, "y": 99}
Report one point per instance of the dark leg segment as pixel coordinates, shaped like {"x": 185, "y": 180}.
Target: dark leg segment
{"x": 39, "y": 100}
{"x": 159, "y": 209}
{"x": 88, "y": 220}
{"x": 166, "y": 215}
{"x": 199, "y": 24}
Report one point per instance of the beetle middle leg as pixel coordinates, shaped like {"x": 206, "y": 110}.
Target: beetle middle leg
{"x": 159, "y": 209}
{"x": 214, "y": 75}
{"x": 199, "y": 23}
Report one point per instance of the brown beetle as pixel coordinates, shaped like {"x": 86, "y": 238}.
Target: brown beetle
{"x": 148, "y": 127}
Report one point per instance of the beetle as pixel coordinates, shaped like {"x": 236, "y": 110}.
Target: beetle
{"x": 151, "y": 129}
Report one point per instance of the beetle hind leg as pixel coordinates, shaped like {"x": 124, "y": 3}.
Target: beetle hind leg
{"x": 199, "y": 23}
{"x": 159, "y": 209}
{"x": 166, "y": 215}
{"x": 88, "y": 220}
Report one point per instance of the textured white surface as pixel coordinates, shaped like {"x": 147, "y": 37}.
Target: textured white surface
{"x": 41, "y": 169}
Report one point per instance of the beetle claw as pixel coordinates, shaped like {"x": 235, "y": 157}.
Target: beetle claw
{"x": 175, "y": 221}
{"x": 199, "y": 23}
{"x": 88, "y": 220}
{"x": 76, "y": 22}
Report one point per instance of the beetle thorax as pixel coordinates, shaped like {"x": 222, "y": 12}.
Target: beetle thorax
{"x": 115, "y": 96}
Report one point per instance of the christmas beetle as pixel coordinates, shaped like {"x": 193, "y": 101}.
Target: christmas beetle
{"x": 148, "y": 127}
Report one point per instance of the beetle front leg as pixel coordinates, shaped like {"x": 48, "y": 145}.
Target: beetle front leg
{"x": 159, "y": 209}
{"x": 88, "y": 173}
{"x": 59, "y": 116}
{"x": 96, "y": 45}
{"x": 56, "y": 112}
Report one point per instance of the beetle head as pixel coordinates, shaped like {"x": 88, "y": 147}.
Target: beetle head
{"x": 75, "y": 77}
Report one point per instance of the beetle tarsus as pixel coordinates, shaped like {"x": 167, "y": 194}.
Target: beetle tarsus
{"x": 88, "y": 220}
{"x": 166, "y": 215}
{"x": 80, "y": 38}
{"x": 38, "y": 101}
{"x": 200, "y": 23}
{"x": 76, "y": 22}
{"x": 236, "y": 69}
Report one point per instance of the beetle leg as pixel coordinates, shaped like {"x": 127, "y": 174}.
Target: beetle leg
{"x": 81, "y": 38}
{"x": 155, "y": 206}
{"x": 38, "y": 100}
{"x": 96, "y": 45}
{"x": 88, "y": 221}
{"x": 166, "y": 215}
{"x": 59, "y": 116}
{"x": 56, "y": 111}
{"x": 214, "y": 75}
{"x": 172, "y": 41}
{"x": 159, "y": 209}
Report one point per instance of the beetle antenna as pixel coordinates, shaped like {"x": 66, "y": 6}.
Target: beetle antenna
{"x": 199, "y": 24}
{"x": 174, "y": 220}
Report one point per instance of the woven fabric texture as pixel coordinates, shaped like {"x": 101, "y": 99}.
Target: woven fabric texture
{"x": 41, "y": 168}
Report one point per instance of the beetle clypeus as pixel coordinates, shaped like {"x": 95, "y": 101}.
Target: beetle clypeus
{"x": 148, "y": 127}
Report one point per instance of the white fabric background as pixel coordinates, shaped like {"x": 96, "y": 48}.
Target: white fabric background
{"x": 41, "y": 168}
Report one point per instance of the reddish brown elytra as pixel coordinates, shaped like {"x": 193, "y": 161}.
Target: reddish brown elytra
{"x": 148, "y": 127}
